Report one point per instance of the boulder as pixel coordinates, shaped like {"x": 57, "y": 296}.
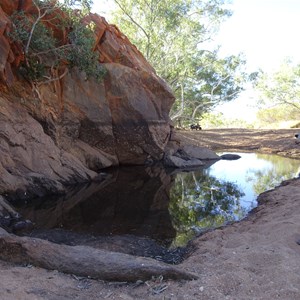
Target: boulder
{"x": 177, "y": 162}
{"x": 138, "y": 103}
{"x": 181, "y": 155}
{"x": 200, "y": 152}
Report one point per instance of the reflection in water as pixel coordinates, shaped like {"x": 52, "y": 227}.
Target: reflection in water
{"x": 199, "y": 201}
{"x": 224, "y": 192}
{"x": 276, "y": 169}
{"x": 130, "y": 201}
{"x": 139, "y": 209}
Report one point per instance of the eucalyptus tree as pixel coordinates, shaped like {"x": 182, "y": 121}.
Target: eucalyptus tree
{"x": 173, "y": 35}
{"x": 280, "y": 88}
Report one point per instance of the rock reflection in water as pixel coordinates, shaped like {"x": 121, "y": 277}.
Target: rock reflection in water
{"x": 132, "y": 200}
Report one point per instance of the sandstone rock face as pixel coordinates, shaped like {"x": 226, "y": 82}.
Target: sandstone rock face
{"x": 30, "y": 162}
{"x": 140, "y": 127}
{"x": 67, "y": 130}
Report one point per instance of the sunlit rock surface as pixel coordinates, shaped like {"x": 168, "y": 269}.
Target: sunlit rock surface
{"x": 66, "y": 131}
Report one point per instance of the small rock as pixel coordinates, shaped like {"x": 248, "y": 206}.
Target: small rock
{"x": 230, "y": 156}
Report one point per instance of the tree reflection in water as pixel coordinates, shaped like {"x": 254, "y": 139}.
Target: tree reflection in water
{"x": 275, "y": 171}
{"x": 224, "y": 192}
{"x": 199, "y": 202}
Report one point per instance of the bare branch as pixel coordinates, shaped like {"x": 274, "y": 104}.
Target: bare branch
{"x": 132, "y": 20}
{"x": 40, "y": 16}
{"x": 53, "y": 79}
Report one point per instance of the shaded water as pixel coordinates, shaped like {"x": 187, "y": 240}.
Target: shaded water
{"x": 148, "y": 211}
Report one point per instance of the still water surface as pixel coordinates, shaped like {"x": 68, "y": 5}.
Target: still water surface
{"x": 226, "y": 191}
{"x": 154, "y": 204}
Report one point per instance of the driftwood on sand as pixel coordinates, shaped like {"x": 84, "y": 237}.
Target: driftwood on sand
{"x": 84, "y": 260}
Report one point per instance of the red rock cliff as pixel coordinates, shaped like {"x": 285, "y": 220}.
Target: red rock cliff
{"x": 68, "y": 130}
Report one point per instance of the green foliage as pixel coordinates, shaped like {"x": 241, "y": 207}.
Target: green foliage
{"x": 199, "y": 202}
{"x": 280, "y": 89}
{"x": 84, "y": 5}
{"x": 214, "y": 81}
{"x": 81, "y": 55}
{"x": 43, "y": 51}
{"x": 170, "y": 34}
{"x": 42, "y": 37}
{"x": 21, "y": 28}
{"x": 279, "y": 113}
{"x": 213, "y": 120}
{"x": 217, "y": 120}
{"x": 34, "y": 70}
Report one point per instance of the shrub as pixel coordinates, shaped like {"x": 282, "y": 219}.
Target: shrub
{"x": 42, "y": 50}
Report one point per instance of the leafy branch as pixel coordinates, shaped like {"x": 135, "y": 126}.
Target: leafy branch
{"x": 43, "y": 50}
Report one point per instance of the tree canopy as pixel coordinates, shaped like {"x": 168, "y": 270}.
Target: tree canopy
{"x": 279, "y": 93}
{"x": 280, "y": 88}
{"x": 173, "y": 35}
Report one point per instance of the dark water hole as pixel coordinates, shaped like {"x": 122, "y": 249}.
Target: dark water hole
{"x": 153, "y": 211}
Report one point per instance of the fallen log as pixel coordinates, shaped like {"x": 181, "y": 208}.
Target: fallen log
{"x": 84, "y": 261}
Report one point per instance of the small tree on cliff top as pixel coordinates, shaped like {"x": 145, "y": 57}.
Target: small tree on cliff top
{"x": 43, "y": 51}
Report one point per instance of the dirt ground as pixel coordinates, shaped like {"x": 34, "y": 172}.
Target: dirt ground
{"x": 257, "y": 258}
{"x": 281, "y": 142}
